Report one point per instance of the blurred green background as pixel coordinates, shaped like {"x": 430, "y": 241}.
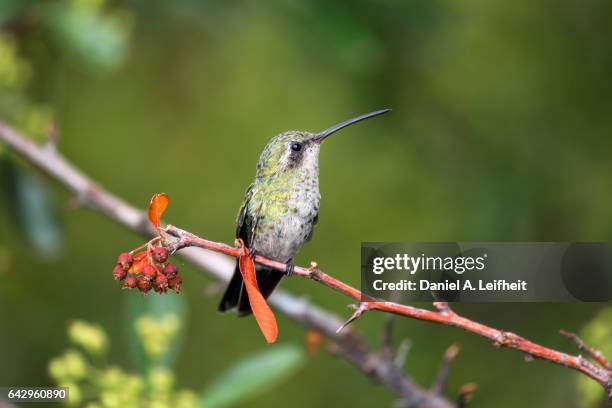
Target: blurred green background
{"x": 500, "y": 131}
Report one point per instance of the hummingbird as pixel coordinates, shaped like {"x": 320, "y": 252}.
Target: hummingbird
{"x": 280, "y": 208}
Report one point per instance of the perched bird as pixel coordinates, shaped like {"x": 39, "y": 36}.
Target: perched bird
{"x": 280, "y": 208}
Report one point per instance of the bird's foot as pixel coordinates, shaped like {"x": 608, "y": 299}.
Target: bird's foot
{"x": 242, "y": 247}
{"x": 290, "y": 268}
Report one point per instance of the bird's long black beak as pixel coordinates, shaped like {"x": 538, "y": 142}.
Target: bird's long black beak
{"x": 321, "y": 136}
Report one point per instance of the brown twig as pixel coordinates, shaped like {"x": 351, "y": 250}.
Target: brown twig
{"x": 595, "y": 354}
{"x": 349, "y": 345}
{"x": 386, "y": 341}
{"x": 600, "y": 373}
{"x": 439, "y": 386}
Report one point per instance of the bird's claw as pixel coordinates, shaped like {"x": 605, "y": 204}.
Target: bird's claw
{"x": 290, "y": 268}
{"x": 239, "y": 243}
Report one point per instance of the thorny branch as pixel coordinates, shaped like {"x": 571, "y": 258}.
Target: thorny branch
{"x": 595, "y": 354}
{"x": 348, "y": 344}
{"x": 599, "y": 370}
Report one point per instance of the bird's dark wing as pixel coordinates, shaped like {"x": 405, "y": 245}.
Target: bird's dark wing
{"x": 245, "y": 221}
{"x": 314, "y": 221}
{"x": 244, "y": 224}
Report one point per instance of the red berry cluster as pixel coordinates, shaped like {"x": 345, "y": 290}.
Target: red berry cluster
{"x": 148, "y": 270}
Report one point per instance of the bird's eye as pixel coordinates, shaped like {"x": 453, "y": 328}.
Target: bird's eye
{"x": 296, "y": 147}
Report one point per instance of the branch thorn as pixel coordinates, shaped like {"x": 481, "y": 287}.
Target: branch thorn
{"x": 595, "y": 354}
{"x": 360, "y": 309}
{"x": 439, "y": 386}
{"x": 402, "y": 352}
{"x": 443, "y": 307}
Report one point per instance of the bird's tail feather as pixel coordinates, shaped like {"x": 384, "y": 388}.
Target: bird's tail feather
{"x": 236, "y": 295}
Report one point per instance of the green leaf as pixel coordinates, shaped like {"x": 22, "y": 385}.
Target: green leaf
{"x": 253, "y": 376}
{"x": 154, "y": 325}
{"x": 32, "y": 207}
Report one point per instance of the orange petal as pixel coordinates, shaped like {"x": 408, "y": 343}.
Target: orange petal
{"x": 139, "y": 256}
{"x": 137, "y": 266}
{"x": 159, "y": 203}
{"x": 263, "y": 314}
